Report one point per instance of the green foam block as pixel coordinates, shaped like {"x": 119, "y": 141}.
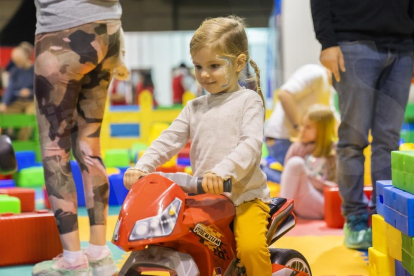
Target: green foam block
{"x": 9, "y": 204}
{"x": 30, "y": 177}
{"x": 116, "y": 158}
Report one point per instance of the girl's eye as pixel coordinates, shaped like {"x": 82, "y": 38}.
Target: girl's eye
{"x": 215, "y": 66}
{"x": 197, "y": 67}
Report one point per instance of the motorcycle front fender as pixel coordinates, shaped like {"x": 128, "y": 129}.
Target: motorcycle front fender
{"x": 159, "y": 259}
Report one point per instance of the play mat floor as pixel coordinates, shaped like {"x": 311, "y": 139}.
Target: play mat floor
{"x": 323, "y": 247}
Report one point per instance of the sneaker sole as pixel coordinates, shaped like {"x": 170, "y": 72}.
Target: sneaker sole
{"x": 359, "y": 246}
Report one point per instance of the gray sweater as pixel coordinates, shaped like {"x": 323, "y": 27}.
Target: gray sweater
{"x": 226, "y": 133}
{"x": 57, "y": 15}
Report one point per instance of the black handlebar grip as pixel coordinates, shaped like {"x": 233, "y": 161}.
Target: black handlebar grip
{"x": 227, "y": 186}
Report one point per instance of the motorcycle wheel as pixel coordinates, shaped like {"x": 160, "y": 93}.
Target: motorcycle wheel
{"x": 290, "y": 258}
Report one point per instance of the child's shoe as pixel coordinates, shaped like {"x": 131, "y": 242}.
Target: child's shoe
{"x": 357, "y": 233}
{"x": 103, "y": 266}
{"x": 59, "y": 266}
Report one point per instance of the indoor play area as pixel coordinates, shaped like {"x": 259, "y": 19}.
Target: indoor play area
{"x": 161, "y": 85}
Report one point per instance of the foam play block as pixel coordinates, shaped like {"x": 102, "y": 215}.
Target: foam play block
{"x": 408, "y": 261}
{"x": 402, "y": 163}
{"x": 117, "y": 190}
{"x": 26, "y": 196}
{"x": 135, "y": 149}
{"x": 403, "y": 180}
{"x": 381, "y": 185}
{"x": 400, "y": 270}
{"x": 409, "y": 113}
{"x": 399, "y": 221}
{"x": 185, "y": 152}
{"x": 9, "y": 204}
{"x": 185, "y": 162}
{"x": 379, "y": 263}
{"x": 333, "y": 215}
{"x": 28, "y": 238}
{"x": 111, "y": 171}
{"x": 77, "y": 177}
{"x": 386, "y": 238}
{"x": 5, "y": 177}
{"x": 400, "y": 201}
{"x": 7, "y": 183}
{"x": 407, "y": 136}
{"x": 116, "y": 158}
{"x": 46, "y": 198}
{"x": 25, "y": 159}
{"x": 407, "y": 244}
{"x": 379, "y": 234}
{"x": 402, "y": 160}
{"x": 30, "y": 177}
{"x": 172, "y": 169}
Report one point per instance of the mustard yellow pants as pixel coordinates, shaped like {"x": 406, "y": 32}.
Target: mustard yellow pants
{"x": 250, "y": 228}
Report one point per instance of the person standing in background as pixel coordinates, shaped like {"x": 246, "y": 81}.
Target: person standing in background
{"x": 18, "y": 96}
{"x": 368, "y": 46}
{"x": 78, "y": 49}
{"x": 309, "y": 85}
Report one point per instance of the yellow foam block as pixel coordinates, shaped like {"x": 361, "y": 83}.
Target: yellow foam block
{"x": 274, "y": 189}
{"x": 380, "y": 264}
{"x": 111, "y": 171}
{"x": 386, "y": 238}
{"x": 171, "y": 163}
{"x": 276, "y": 166}
{"x": 379, "y": 234}
{"x": 188, "y": 170}
{"x": 407, "y": 146}
{"x": 394, "y": 241}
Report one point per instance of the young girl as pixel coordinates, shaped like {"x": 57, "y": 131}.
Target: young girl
{"x": 310, "y": 164}
{"x": 226, "y": 132}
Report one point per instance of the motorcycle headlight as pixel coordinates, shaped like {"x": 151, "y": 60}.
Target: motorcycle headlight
{"x": 115, "y": 237}
{"x": 159, "y": 226}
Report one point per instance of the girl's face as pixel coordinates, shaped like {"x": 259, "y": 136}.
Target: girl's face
{"x": 214, "y": 72}
{"x": 308, "y": 131}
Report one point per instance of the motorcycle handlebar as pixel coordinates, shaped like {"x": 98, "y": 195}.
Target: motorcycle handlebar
{"x": 227, "y": 186}
{"x": 191, "y": 184}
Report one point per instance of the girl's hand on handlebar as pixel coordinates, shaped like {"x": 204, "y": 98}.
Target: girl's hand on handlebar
{"x": 212, "y": 184}
{"x": 131, "y": 176}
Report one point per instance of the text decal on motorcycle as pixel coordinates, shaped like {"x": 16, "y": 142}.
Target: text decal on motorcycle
{"x": 203, "y": 232}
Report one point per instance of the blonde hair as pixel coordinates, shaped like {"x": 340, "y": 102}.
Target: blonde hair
{"x": 324, "y": 119}
{"x": 228, "y": 36}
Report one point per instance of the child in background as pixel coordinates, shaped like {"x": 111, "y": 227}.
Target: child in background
{"x": 226, "y": 132}
{"x": 310, "y": 164}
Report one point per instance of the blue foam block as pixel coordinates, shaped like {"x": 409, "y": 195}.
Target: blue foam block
{"x": 380, "y": 207}
{"x": 400, "y": 201}
{"x": 399, "y": 221}
{"x": 381, "y": 185}
{"x": 7, "y": 183}
{"x": 117, "y": 190}
{"x": 25, "y": 159}
{"x": 400, "y": 270}
{"x": 185, "y": 162}
{"x": 122, "y": 170}
{"x": 77, "y": 176}
{"x": 407, "y": 126}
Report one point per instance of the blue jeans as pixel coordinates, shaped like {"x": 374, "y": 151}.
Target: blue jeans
{"x": 372, "y": 94}
{"x": 279, "y": 149}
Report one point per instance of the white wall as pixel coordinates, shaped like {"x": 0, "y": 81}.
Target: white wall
{"x": 162, "y": 51}
{"x": 299, "y": 45}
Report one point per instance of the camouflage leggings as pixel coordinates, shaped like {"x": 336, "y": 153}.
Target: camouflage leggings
{"x": 73, "y": 69}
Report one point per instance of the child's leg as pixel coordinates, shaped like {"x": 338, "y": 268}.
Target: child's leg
{"x": 309, "y": 203}
{"x": 250, "y": 228}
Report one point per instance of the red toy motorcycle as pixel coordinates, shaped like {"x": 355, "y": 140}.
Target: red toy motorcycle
{"x": 173, "y": 229}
